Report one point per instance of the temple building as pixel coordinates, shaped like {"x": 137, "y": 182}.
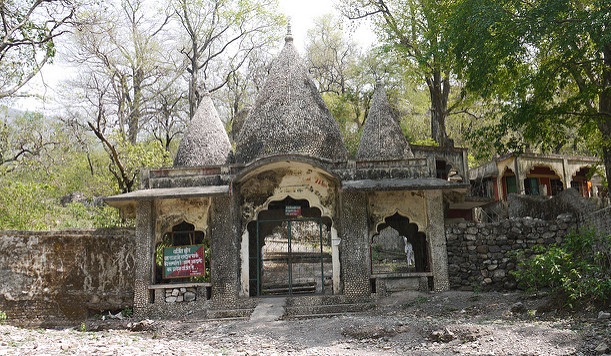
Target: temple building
{"x": 288, "y": 212}
{"x": 536, "y": 174}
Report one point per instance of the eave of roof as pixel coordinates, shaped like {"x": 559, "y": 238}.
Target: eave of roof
{"x": 166, "y": 193}
{"x": 403, "y": 184}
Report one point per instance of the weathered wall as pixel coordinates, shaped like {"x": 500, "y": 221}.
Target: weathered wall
{"x": 599, "y": 220}
{"x": 59, "y": 277}
{"x": 480, "y": 256}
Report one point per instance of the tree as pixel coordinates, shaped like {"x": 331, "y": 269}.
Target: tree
{"x": 414, "y": 30}
{"x": 546, "y": 63}
{"x": 330, "y": 55}
{"x": 220, "y": 36}
{"x": 28, "y": 34}
{"x": 342, "y": 75}
{"x": 25, "y": 140}
{"x": 127, "y": 80}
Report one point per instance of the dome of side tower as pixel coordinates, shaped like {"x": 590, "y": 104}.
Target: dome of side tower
{"x": 206, "y": 142}
{"x": 382, "y": 138}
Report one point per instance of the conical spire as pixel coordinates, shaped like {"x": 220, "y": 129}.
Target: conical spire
{"x": 289, "y": 116}
{"x": 206, "y": 142}
{"x": 382, "y": 138}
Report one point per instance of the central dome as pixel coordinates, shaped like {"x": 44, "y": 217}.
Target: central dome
{"x": 289, "y": 116}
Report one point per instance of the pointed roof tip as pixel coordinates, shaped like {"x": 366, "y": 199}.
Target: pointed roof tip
{"x": 382, "y": 137}
{"x": 206, "y": 142}
{"x": 289, "y": 34}
{"x": 289, "y": 116}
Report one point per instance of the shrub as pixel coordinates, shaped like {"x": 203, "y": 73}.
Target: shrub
{"x": 577, "y": 270}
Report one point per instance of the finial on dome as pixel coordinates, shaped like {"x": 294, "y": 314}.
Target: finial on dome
{"x": 289, "y": 35}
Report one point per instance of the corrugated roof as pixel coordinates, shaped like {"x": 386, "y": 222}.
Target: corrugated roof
{"x": 206, "y": 142}
{"x": 382, "y": 138}
{"x": 289, "y": 116}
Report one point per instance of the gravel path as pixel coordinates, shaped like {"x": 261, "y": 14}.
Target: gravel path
{"x": 412, "y": 323}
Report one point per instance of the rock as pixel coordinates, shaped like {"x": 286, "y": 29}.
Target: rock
{"x": 175, "y": 292}
{"x": 444, "y": 335}
{"x": 119, "y": 316}
{"x": 602, "y": 348}
{"x": 189, "y": 296}
{"x": 142, "y": 325}
{"x": 170, "y": 299}
{"x": 604, "y": 315}
{"x": 518, "y": 308}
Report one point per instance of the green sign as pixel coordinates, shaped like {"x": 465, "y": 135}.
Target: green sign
{"x": 184, "y": 261}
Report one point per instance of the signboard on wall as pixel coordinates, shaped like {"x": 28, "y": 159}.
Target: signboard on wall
{"x": 184, "y": 261}
{"x": 292, "y": 210}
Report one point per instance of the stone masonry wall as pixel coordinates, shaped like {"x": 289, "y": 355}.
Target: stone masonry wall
{"x": 480, "y": 256}
{"x": 61, "y": 277}
{"x": 599, "y": 220}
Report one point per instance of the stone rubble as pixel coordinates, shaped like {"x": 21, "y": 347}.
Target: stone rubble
{"x": 465, "y": 324}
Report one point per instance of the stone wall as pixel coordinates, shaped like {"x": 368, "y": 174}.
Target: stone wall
{"x": 567, "y": 201}
{"x": 61, "y": 277}
{"x": 480, "y": 256}
{"x": 599, "y": 220}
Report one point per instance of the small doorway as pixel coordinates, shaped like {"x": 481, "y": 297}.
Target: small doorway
{"x": 290, "y": 250}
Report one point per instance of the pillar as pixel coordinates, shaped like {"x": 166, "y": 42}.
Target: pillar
{"x": 519, "y": 178}
{"x": 354, "y": 244}
{"x": 436, "y": 235}
{"x": 225, "y": 245}
{"x": 144, "y": 256}
{"x": 335, "y": 242}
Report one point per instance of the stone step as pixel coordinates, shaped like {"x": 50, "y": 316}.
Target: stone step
{"x": 330, "y": 309}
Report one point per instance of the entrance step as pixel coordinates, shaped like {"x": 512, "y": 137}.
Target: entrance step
{"x": 305, "y": 311}
{"x": 268, "y": 309}
{"x": 295, "y": 288}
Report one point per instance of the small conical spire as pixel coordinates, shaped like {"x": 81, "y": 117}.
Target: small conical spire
{"x": 382, "y": 138}
{"x": 289, "y": 35}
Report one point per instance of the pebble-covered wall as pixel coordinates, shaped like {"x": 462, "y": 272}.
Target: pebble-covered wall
{"x": 60, "y": 277}
{"x": 480, "y": 256}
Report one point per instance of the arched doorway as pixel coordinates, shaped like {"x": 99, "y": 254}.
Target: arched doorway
{"x": 290, "y": 250}
{"x": 390, "y": 245}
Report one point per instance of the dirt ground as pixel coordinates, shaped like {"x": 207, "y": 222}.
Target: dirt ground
{"x": 407, "y": 323}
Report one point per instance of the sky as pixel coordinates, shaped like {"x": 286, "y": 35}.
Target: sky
{"x": 302, "y": 14}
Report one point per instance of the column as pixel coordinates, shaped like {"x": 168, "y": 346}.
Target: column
{"x": 354, "y": 245}
{"x": 225, "y": 245}
{"x": 335, "y": 242}
{"x": 144, "y": 256}
{"x": 436, "y": 236}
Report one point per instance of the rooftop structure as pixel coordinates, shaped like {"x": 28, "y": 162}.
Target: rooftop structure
{"x": 292, "y": 214}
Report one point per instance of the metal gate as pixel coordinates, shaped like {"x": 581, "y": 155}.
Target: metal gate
{"x": 293, "y": 259}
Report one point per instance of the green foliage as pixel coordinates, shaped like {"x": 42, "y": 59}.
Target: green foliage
{"x": 541, "y": 65}
{"x": 577, "y": 270}
{"x": 127, "y": 312}
{"x": 28, "y": 33}
{"x": 51, "y": 167}
{"x": 23, "y": 205}
{"x": 3, "y": 317}
{"x": 425, "y": 142}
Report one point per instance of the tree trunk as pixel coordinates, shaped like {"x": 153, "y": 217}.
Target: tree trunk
{"x": 135, "y": 114}
{"x": 439, "y": 90}
{"x": 604, "y": 109}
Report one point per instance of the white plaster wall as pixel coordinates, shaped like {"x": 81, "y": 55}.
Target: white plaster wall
{"x": 170, "y": 212}
{"x": 411, "y": 204}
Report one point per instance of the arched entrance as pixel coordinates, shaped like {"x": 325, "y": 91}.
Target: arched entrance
{"x": 290, "y": 250}
{"x": 389, "y": 247}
